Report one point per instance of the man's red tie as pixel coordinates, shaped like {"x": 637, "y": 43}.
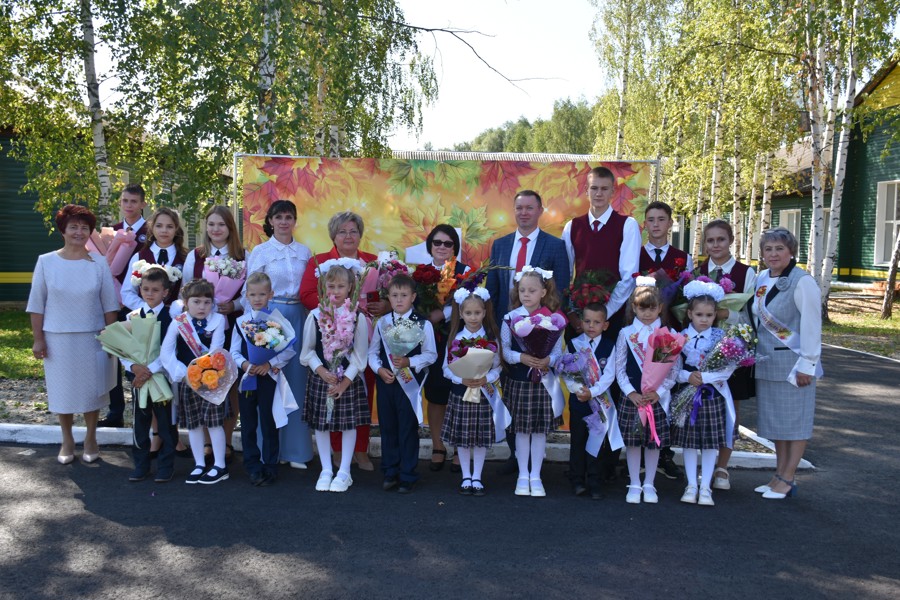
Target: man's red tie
{"x": 596, "y": 224}
{"x": 523, "y": 253}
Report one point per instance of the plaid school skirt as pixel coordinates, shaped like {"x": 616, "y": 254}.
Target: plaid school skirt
{"x": 350, "y": 410}
{"x": 636, "y": 436}
{"x": 194, "y": 411}
{"x": 708, "y": 431}
{"x": 530, "y": 407}
{"x": 468, "y": 424}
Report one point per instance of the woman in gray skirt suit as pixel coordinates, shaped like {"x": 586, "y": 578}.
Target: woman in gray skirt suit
{"x": 788, "y": 314}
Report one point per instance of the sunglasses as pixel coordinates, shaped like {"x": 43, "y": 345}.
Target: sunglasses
{"x": 444, "y": 243}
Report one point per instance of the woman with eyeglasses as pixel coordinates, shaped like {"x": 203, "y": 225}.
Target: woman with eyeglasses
{"x": 346, "y": 231}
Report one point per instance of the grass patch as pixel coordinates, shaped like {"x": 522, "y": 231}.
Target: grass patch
{"x": 16, "y": 360}
{"x": 864, "y": 331}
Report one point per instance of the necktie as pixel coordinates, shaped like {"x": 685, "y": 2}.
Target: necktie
{"x": 523, "y": 252}
{"x": 218, "y": 253}
{"x": 658, "y": 255}
{"x": 199, "y": 326}
{"x": 129, "y": 228}
{"x": 597, "y": 224}
{"x": 163, "y": 257}
{"x": 716, "y": 274}
{"x": 697, "y": 340}
{"x": 150, "y": 312}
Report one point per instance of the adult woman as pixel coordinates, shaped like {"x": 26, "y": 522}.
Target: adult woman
{"x": 788, "y": 313}
{"x": 72, "y": 298}
{"x": 285, "y": 261}
{"x": 443, "y": 245}
{"x": 717, "y": 238}
{"x": 346, "y": 231}
{"x": 221, "y": 238}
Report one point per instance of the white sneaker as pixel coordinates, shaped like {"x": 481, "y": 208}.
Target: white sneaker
{"x": 650, "y": 496}
{"x": 324, "y": 482}
{"x": 537, "y": 489}
{"x": 522, "y": 488}
{"x": 634, "y": 494}
{"x": 721, "y": 483}
{"x": 298, "y": 465}
{"x": 690, "y": 494}
{"x": 341, "y": 483}
{"x": 705, "y": 497}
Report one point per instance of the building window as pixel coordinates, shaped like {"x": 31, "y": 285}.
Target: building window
{"x": 887, "y": 219}
{"x": 790, "y": 220}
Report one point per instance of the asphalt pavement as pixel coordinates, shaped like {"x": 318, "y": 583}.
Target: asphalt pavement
{"x": 84, "y": 531}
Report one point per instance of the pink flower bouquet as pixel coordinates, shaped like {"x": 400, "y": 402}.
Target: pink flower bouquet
{"x": 538, "y": 333}
{"x": 663, "y": 347}
{"x": 116, "y": 246}
{"x": 226, "y": 274}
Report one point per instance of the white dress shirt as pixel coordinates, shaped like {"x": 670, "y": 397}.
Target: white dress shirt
{"x": 607, "y": 373}
{"x": 283, "y": 263}
{"x": 651, "y": 250}
{"x": 629, "y": 256}
{"x": 358, "y": 354}
{"x": 623, "y": 347}
{"x": 130, "y": 294}
{"x": 529, "y": 251}
{"x": 419, "y": 361}
{"x": 492, "y": 376}
{"x": 279, "y": 361}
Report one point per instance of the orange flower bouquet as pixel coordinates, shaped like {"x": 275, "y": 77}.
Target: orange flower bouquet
{"x": 212, "y": 375}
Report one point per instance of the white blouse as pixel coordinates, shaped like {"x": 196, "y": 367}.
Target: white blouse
{"x": 358, "y": 356}
{"x": 623, "y": 346}
{"x": 131, "y": 296}
{"x": 283, "y": 263}
{"x": 177, "y": 370}
{"x": 492, "y": 375}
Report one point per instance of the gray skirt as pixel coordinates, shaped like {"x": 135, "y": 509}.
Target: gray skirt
{"x": 71, "y": 371}
{"x": 785, "y": 412}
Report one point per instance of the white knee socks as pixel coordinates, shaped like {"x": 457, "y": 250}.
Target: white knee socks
{"x": 217, "y": 439}
{"x": 197, "y": 439}
{"x": 651, "y": 460}
{"x": 465, "y": 457}
{"x": 690, "y": 466}
{"x": 523, "y": 447}
{"x": 323, "y": 445}
{"x": 708, "y": 465}
{"x": 348, "y": 440}
{"x": 478, "y": 456}
{"x": 538, "y": 444}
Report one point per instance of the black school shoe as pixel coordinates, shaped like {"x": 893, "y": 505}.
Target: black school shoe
{"x": 405, "y": 487}
{"x": 257, "y": 478}
{"x": 137, "y": 475}
{"x": 214, "y": 475}
{"x": 110, "y": 422}
{"x": 389, "y": 483}
{"x": 668, "y": 468}
{"x": 164, "y": 476}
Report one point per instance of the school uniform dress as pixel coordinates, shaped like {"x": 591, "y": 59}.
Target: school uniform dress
{"x": 399, "y": 416}
{"x": 351, "y": 408}
{"x": 194, "y": 411}
{"x": 73, "y": 296}
{"x": 143, "y": 417}
{"x": 785, "y": 411}
{"x": 259, "y": 431}
{"x": 154, "y": 255}
{"x": 530, "y": 404}
{"x": 609, "y": 243}
{"x": 580, "y": 462}
{"x": 710, "y": 431}
{"x": 628, "y": 376}
{"x": 742, "y": 383}
{"x": 436, "y": 389}
{"x": 468, "y": 424}
{"x": 285, "y": 264}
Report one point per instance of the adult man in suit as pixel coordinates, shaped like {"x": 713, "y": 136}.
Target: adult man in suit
{"x": 527, "y": 245}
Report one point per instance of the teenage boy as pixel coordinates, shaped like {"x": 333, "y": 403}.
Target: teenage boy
{"x": 657, "y": 253}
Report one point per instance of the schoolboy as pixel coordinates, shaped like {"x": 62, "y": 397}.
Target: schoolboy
{"x": 657, "y": 253}
{"x": 399, "y": 397}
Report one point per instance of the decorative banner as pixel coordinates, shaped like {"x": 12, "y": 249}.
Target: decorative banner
{"x": 401, "y": 201}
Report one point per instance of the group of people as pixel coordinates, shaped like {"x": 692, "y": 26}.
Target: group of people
{"x": 344, "y": 322}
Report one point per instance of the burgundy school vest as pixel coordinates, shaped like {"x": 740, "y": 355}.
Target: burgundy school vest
{"x": 668, "y": 262}
{"x": 140, "y": 236}
{"x": 598, "y": 250}
{"x": 738, "y": 274}
{"x": 146, "y": 255}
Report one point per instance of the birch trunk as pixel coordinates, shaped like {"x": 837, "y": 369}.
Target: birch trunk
{"x": 717, "y": 160}
{"x": 96, "y": 110}
{"x": 887, "y": 304}
{"x": 751, "y": 219}
{"x": 657, "y": 174}
{"x": 265, "y": 107}
{"x": 765, "y": 217}
{"x": 737, "y": 215}
{"x": 840, "y": 167}
{"x": 818, "y": 133}
{"x": 698, "y": 212}
{"x": 623, "y": 102}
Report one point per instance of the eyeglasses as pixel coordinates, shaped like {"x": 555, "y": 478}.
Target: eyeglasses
{"x": 444, "y": 243}
{"x": 351, "y": 233}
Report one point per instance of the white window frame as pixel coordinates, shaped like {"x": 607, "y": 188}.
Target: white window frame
{"x": 888, "y": 191}
{"x": 791, "y": 214}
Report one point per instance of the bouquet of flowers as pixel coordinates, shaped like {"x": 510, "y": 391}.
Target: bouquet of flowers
{"x": 141, "y": 266}
{"x": 389, "y": 266}
{"x": 116, "y": 245}
{"x": 427, "y": 280}
{"x": 212, "y": 375}
{"x": 663, "y": 347}
{"x": 138, "y": 341}
{"x": 737, "y": 348}
{"x": 401, "y": 338}
{"x": 673, "y": 292}
{"x": 226, "y": 274}
{"x": 338, "y": 327}
{"x": 538, "y": 333}
{"x": 267, "y": 338}
{"x": 578, "y": 370}
{"x": 447, "y": 282}
{"x": 471, "y": 358}
{"x": 588, "y": 287}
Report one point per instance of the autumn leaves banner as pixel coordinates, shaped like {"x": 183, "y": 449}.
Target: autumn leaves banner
{"x": 402, "y": 200}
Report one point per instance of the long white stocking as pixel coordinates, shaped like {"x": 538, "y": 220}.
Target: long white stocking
{"x": 323, "y": 445}
{"x": 348, "y": 440}
{"x": 523, "y": 447}
{"x": 538, "y": 445}
{"x": 633, "y": 458}
{"x": 478, "y": 456}
{"x": 465, "y": 459}
{"x": 690, "y": 466}
{"x": 708, "y": 465}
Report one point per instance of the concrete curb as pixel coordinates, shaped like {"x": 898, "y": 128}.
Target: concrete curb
{"x": 108, "y": 436}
